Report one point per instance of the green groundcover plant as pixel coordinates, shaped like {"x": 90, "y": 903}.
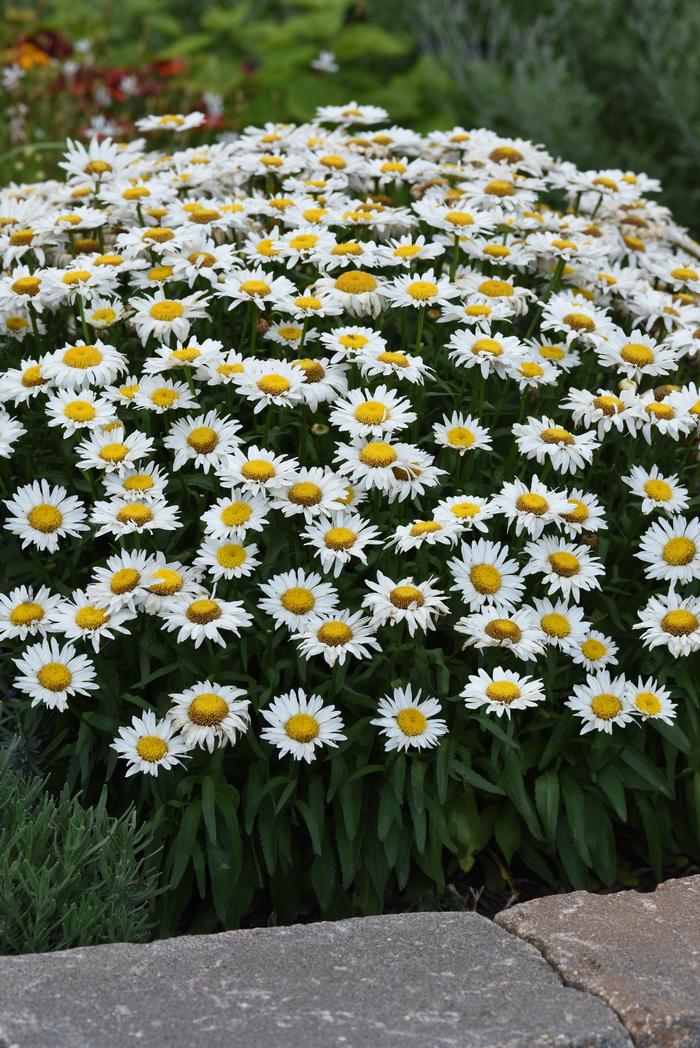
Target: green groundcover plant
{"x": 349, "y": 480}
{"x": 69, "y": 875}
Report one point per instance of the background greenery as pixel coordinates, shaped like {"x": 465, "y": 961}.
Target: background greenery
{"x": 601, "y": 82}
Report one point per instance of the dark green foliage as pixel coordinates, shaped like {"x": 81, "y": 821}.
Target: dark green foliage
{"x": 69, "y": 876}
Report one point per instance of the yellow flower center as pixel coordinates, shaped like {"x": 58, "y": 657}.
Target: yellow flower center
{"x": 377, "y": 455}
{"x": 605, "y": 183}
{"x": 203, "y": 611}
{"x": 555, "y": 625}
{"x": 97, "y": 167}
{"x": 496, "y": 250}
{"x": 355, "y": 282}
{"x": 236, "y": 514}
{"x": 298, "y": 599}
{"x": 78, "y": 276}
{"x": 393, "y": 167}
{"x": 79, "y": 411}
{"x": 32, "y": 377}
{"x": 305, "y": 494}
{"x": 170, "y": 582}
{"x": 186, "y": 355}
{"x": 138, "y": 482}
{"x": 658, "y": 490}
{"x": 505, "y": 691}
{"x": 307, "y": 302}
{"x": 313, "y": 371}
{"x": 90, "y": 618}
{"x": 334, "y": 161}
{"x": 531, "y": 370}
{"x": 679, "y": 551}
{"x": 334, "y": 633}
{"x": 166, "y": 311}
{"x": 552, "y": 352}
{"x": 203, "y": 439}
{"x": 579, "y": 322}
{"x": 128, "y": 392}
{"x": 395, "y": 359}
{"x": 22, "y": 237}
{"x": 530, "y": 502}
{"x": 608, "y": 405}
{"x": 82, "y": 357}
{"x": 151, "y": 748}
{"x": 684, "y": 273}
{"x": 564, "y": 564}
{"x": 460, "y": 437}
{"x": 637, "y": 353}
{"x": 420, "y": 290}
{"x": 303, "y": 242}
{"x": 661, "y": 411}
{"x": 556, "y": 435}
{"x": 54, "y": 676}
{"x": 371, "y": 413}
{"x": 16, "y": 323}
{"x": 164, "y": 397}
{"x": 459, "y": 218}
{"x": 463, "y": 510}
{"x": 505, "y": 155}
{"x": 648, "y": 703}
{"x": 353, "y": 341}
{"x": 425, "y": 527}
{"x": 500, "y": 188}
{"x": 159, "y": 234}
{"x": 104, "y": 316}
{"x": 485, "y": 578}
{"x": 292, "y": 334}
{"x": 406, "y": 251}
{"x": 349, "y": 248}
{"x": 159, "y": 273}
{"x": 231, "y": 556}
{"x": 124, "y": 581}
{"x": 273, "y": 385}
{"x": 45, "y": 517}
{"x": 258, "y": 470}
{"x": 340, "y": 538}
{"x": 405, "y": 596}
{"x": 679, "y": 623}
{"x": 593, "y": 649}
{"x": 207, "y": 709}
{"x": 108, "y": 260}
{"x": 203, "y": 215}
{"x": 487, "y": 345}
{"x": 137, "y": 514}
{"x": 503, "y": 629}
{"x": 135, "y": 193}
{"x": 255, "y": 288}
{"x": 606, "y": 706}
{"x": 114, "y": 452}
{"x": 411, "y": 721}
{"x": 495, "y": 289}
{"x": 25, "y": 613}
{"x": 579, "y": 514}
{"x": 302, "y": 727}
{"x": 26, "y": 286}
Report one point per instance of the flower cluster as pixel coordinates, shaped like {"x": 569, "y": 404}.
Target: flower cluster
{"x": 355, "y": 386}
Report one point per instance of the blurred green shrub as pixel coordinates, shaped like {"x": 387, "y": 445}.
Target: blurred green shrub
{"x": 69, "y": 876}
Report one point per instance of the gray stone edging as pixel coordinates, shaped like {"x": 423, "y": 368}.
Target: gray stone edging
{"x": 422, "y": 980}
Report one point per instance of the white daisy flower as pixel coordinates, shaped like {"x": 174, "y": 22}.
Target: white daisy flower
{"x": 114, "y": 451}
{"x": 357, "y": 292}
{"x": 491, "y": 354}
{"x": 254, "y": 285}
{"x": 585, "y": 513}
{"x": 461, "y": 433}
{"x": 469, "y": 511}
{"x": 78, "y": 365}
{"x": 175, "y": 122}
{"x": 257, "y": 469}
{"x": 52, "y": 673}
{"x": 26, "y": 612}
{"x": 235, "y": 514}
{"x": 502, "y": 691}
{"x": 671, "y": 622}
{"x": 649, "y": 701}
{"x": 160, "y": 395}
{"x": 514, "y": 631}
{"x": 41, "y": 515}
{"x": 122, "y": 516}
{"x": 119, "y": 583}
{"x": 208, "y": 714}
{"x": 530, "y": 507}
{"x": 562, "y": 626}
{"x": 593, "y": 650}
{"x": 10, "y": 432}
{"x": 420, "y": 290}
{"x": 156, "y": 316}
{"x": 637, "y": 354}
{"x": 75, "y": 411}
{"x": 295, "y": 599}
{"x": 272, "y": 382}
{"x": 83, "y": 618}
{"x": 671, "y": 550}
{"x": 484, "y": 575}
{"x": 365, "y": 412}
{"x": 345, "y": 343}
{"x": 168, "y": 580}
{"x": 405, "y": 366}
{"x": 203, "y": 618}
{"x": 323, "y": 381}
{"x": 542, "y": 440}
{"x": 336, "y": 541}
{"x": 409, "y": 722}
{"x": 205, "y": 440}
{"x": 566, "y": 568}
{"x": 417, "y": 533}
{"x": 299, "y": 725}
{"x": 601, "y": 702}
{"x": 336, "y": 635}
{"x": 150, "y": 744}
{"x": 657, "y": 490}
{"x": 139, "y": 484}
{"x": 315, "y": 492}
{"x": 418, "y": 604}
{"x": 222, "y": 559}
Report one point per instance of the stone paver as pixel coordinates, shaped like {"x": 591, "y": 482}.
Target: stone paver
{"x": 425, "y": 980}
{"x": 640, "y": 953}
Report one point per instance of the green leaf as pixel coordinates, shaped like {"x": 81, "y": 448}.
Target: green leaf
{"x": 311, "y": 825}
{"x": 209, "y": 806}
{"x": 547, "y": 802}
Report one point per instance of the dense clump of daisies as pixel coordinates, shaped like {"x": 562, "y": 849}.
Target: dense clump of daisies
{"x": 322, "y": 396}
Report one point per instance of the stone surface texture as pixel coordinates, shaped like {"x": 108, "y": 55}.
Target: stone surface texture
{"x": 640, "y": 953}
{"x": 424, "y": 980}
